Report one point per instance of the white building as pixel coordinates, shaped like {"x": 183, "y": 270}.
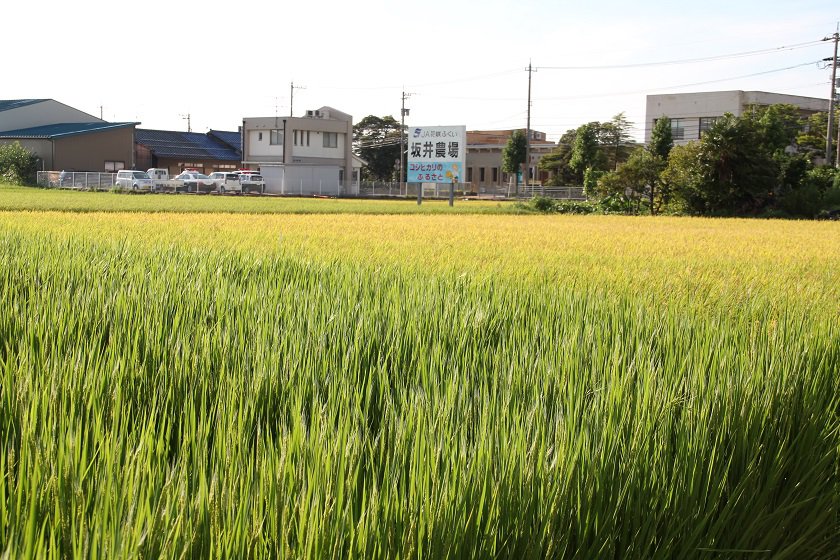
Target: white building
{"x": 303, "y": 155}
{"x": 692, "y": 114}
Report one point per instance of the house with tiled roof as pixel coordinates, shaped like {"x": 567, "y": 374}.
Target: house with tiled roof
{"x": 65, "y": 138}
{"x": 216, "y": 150}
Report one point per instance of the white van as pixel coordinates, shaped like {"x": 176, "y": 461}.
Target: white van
{"x": 134, "y": 180}
{"x": 252, "y": 183}
{"x": 226, "y": 182}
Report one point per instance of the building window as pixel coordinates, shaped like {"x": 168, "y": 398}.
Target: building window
{"x": 295, "y": 136}
{"x": 276, "y": 137}
{"x": 114, "y": 166}
{"x": 678, "y": 129}
{"x": 705, "y": 124}
{"x": 495, "y": 174}
{"x": 469, "y": 174}
{"x": 259, "y": 137}
{"x": 481, "y": 174}
{"x": 307, "y": 138}
{"x": 331, "y": 139}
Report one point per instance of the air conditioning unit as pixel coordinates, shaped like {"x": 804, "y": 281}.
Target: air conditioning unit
{"x": 310, "y": 113}
{"x": 318, "y": 114}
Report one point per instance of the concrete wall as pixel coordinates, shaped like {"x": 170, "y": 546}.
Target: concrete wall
{"x": 89, "y": 151}
{"x": 40, "y": 114}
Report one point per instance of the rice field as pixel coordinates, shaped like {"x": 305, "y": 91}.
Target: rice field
{"x": 357, "y": 385}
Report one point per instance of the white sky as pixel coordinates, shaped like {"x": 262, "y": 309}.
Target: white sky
{"x": 464, "y": 62}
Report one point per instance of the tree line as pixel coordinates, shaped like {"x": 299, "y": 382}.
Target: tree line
{"x": 762, "y": 163}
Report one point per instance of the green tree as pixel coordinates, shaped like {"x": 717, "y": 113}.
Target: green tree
{"x": 377, "y": 141}
{"x": 681, "y": 180}
{"x": 810, "y": 138}
{"x": 738, "y": 172}
{"x": 513, "y": 155}
{"x": 661, "y": 138}
{"x": 615, "y": 138}
{"x": 557, "y": 162}
{"x": 636, "y": 181}
{"x": 585, "y": 150}
{"x": 17, "y": 164}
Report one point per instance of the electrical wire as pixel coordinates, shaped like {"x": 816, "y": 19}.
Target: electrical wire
{"x": 685, "y": 60}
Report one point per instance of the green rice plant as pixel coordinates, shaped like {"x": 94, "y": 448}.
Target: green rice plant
{"x": 169, "y": 400}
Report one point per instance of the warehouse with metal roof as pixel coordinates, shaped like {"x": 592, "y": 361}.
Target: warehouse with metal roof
{"x": 64, "y": 138}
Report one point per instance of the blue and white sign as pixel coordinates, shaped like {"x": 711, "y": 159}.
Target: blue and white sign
{"x": 436, "y": 154}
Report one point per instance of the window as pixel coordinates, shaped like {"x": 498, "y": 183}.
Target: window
{"x": 481, "y": 174}
{"x": 705, "y": 124}
{"x": 260, "y": 137}
{"x": 307, "y": 138}
{"x": 276, "y": 137}
{"x": 678, "y": 129}
{"x": 469, "y": 174}
{"x": 495, "y": 174}
{"x": 296, "y": 137}
{"x": 331, "y": 139}
{"x": 113, "y": 166}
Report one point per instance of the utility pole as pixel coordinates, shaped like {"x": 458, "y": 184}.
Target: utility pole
{"x": 403, "y": 114}
{"x": 292, "y": 88}
{"x": 830, "y": 129}
{"x": 528, "y": 133}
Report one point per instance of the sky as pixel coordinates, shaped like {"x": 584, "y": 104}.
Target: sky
{"x": 463, "y": 63}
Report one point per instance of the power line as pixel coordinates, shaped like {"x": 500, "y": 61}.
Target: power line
{"x": 646, "y": 90}
{"x": 684, "y": 60}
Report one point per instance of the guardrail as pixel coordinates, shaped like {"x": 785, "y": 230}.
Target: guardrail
{"x": 76, "y": 180}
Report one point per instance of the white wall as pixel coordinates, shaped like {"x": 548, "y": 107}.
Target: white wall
{"x": 262, "y": 148}
{"x": 316, "y": 147}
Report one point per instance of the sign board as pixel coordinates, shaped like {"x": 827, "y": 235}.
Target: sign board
{"x": 436, "y": 154}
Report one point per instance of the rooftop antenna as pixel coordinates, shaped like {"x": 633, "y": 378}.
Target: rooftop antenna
{"x": 187, "y": 118}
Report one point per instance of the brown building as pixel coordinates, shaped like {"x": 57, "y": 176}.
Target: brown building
{"x": 65, "y": 138}
{"x": 484, "y": 157}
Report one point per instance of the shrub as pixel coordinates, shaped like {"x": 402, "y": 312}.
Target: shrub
{"x": 17, "y": 164}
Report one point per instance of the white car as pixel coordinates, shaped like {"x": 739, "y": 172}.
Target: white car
{"x": 226, "y": 182}
{"x": 134, "y": 180}
{"x": 196, "y": 182}
{"x": 252, "y": 183}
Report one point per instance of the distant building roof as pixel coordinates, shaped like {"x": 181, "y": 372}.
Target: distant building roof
{"x": 175, "y": 144}
{"x": 8, "y": 104}
{"x": 231, "y": 138}
{"x": 63, "y": 129}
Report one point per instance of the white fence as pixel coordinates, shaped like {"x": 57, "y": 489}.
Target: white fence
{"x": 76, "y": 180}
{"x": 441, "y": 190}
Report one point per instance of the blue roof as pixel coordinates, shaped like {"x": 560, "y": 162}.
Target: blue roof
{"x": 175, "y": 144}
{"x": 232, "y": 139}
{"x": 8, "y": 104}
{"x": 63, "y": 129}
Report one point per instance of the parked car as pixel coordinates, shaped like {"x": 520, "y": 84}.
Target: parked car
{"x": 252, "y": 183}
{"x": 196, "y": 182}
{"x": 134, "y": 180}
{"x": 226, "y": 182}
